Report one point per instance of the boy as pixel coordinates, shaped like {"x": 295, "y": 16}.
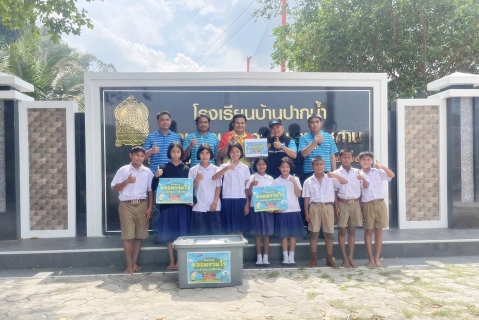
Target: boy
{"x": 318, "y": 194}
{"x": 133, "y": 182}
{"x": 347, "y": 205}
{"x": 374, "y": 208}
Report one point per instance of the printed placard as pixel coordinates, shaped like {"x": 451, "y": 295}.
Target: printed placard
{"x": 174, "y": 190}
{"x": 272, "y": 198}
{"x": 255, "y": 148}
{"x": 209, "y": 267}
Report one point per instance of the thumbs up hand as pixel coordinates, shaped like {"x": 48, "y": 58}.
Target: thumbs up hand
{"x": 277, "y": 144}
{"x": 255, "y": 182}
{"x": 159, "y": 172}
{"x": 292, "y": 178}
{"x": 377, "y": 165}
{"x": 155, "y": 149}
{"x": 131, "y": 178}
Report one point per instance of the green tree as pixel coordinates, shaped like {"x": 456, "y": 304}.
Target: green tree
{"x": 413, "y": 41}
{"x": 59, "y": 16}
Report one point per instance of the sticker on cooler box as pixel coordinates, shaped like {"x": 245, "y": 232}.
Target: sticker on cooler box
{"x": 209, "y": 267}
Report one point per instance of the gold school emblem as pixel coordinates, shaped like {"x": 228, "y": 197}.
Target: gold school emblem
{"x": 131, "y": 122}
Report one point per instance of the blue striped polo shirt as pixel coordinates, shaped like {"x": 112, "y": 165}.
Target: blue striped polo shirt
{"x": 209, "y": 138}
{"x": 162, "y": 142}
{"x": 325, "y": 150}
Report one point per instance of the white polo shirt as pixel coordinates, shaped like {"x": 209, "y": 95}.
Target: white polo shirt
{"x": 375, "y": 190}
{"x": 137, "y": 190}
{"x": 352, "y": 189}
{"x": 317, "y": 192}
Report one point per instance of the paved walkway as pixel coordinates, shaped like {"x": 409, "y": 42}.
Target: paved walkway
{"x": 428, "y": 290}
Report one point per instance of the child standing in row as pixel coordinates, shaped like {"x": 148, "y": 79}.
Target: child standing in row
{"x": 174, "y": 219}
{"x": 288, "y": 224}
{"x": 263, "y": 222}
{"x": 374, "y": 208}
{"x": 235, "y": 203}
{"x": 205, "y": 216}
{"x": 318, "y": 194}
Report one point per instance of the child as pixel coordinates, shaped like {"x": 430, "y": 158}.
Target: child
{"x": 205, "y": 216}
{"x": 288, "y": 224}
{"x": 262, "y": 222}
{"x": 174, "y": 219}
{"x": 347, "y": 205}
{"x": 133, "y": 183}
{"x": 374, "y": 208}
{"x": 318, "y": 194}
{"x": 235, "y": 203}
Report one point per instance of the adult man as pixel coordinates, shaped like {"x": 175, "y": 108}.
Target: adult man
{"x": 279, "y": 146}
{"x": 317, "y": 143}
{"x": 157, "y": 142}
{"x": 238, "y": 134}
{"x": 195, "y": 140}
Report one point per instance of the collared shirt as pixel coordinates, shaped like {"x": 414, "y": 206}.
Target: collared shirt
{"x": 375, "y": 190}
{"x": 234, "y": 181}
{"x": 325, "y": 150}
{"x": 352, "y": 189}
{"x": 226, "y": 138}
{"x": 206, "y": 189}
{"x": 317, "y": 192}
{"x": 137, "y": 190}
{"x": 293, "y": 201}
{"x": 210, "y": 138}
{"x": 263, "y": 181}
{"x": 162, "y": 142}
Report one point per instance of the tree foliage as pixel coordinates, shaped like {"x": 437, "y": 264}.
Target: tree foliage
{"x": 413, "y": 41}
{"x": 59, "y": 16}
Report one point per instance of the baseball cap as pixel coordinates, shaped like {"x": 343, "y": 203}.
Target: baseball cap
{"x": 275, "y": 121}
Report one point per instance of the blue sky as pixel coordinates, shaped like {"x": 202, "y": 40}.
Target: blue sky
{"x": 169, "y": 35}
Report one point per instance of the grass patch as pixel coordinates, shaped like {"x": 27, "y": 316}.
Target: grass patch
{"x": 301, "y": 268}
{"x": 449, "y": 313}
{"x": 326, "y": 276}
{"x": 272, "y": 274}
{"x": 390, "y": 272}
{"x": 339, "y": 304}
{"x": 408, "y": 313}
{"x": 312, "y": 295}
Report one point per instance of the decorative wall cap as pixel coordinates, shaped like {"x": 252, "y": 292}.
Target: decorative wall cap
{"x": 15, "y": 82}
{"x": 455, "y": 79}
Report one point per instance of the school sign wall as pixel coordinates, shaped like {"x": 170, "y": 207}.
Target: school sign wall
{"x": 120, "y": 110}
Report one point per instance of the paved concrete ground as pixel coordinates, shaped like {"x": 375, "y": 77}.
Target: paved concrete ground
{"x": 439, "y": 288}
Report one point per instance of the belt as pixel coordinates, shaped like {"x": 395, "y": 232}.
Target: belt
{"x": 348, "y": 201}
{"x": 136, "y": 201}
{"x": 323, "y": 203}
{"x": 375, "y": 200}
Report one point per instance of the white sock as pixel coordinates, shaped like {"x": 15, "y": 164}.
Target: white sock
{"x": 259, "y": 260}
{"x": 285, "y": 257}
{"x": 265, "y": 259}
{"x": 291, "y": 257}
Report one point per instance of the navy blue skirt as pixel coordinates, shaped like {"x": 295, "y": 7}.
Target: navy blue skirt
{"x": 174, "y": 222}
{"x": 205, "y": 223}
{"x": 232, "y": 216}
{"x": 263, "y": 222}
{"x": 288, "y": 224}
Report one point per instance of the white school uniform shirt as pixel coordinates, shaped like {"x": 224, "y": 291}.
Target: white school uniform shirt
{"x": 234, "y": 181}
{"x": 263, "y": 181}
{"x": 293, "y": 202}
{"x": 137, "y": 190}
{"x": 375, "y": 190}
{"x": 317, "y": 192}
{"x": 352, "y": 189}
{"x": 205, "y": 191}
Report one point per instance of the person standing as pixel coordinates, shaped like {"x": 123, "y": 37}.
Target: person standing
{"x": 194, "y": 140}
{"x": 279, "y": 146}
{"x": 237, "y": 135}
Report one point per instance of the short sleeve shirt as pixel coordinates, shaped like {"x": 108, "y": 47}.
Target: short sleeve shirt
{"x": 162, "y": 142}
{"x": 209, "y": 138}
{"x": 325, "y": 150}
{"x": 137, "y": 190}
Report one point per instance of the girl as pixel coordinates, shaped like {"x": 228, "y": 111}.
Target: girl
{"x": 235, "y": 203}
{"x": 288, "y": 223}
{"x": 205, "y": 218}
{"x": 174, "y": 219}
{"x": 262, "y": 222}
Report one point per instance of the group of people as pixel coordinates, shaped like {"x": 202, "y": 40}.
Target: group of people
{"x": 223, "y": 182}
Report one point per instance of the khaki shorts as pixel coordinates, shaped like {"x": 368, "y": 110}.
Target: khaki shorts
{"x": 321, "y": 216}
{"x": 133, "y": 221}
{"x": 375, "y": 215}
{"x": 350, "y": 214}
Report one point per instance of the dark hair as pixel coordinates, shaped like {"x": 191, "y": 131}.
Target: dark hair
{"x": 258, "y": 159}
{"x": 137, "y": 149}
{"x": 238, "y": 115}
{"x": 315, "y": 116}
{"x": 159, "y": 114}
{"x": 264, "y": 132}
{"x": 294, "y": 128}
{"x": 317, "y": 158}
{"x": 288, "y": 161}
{"x": 204, "y": 146}
{"x": 172, "y": 145}
{"x": 235, "y": 145}
{"x": 366, "y": 154}
{"x": 230, "y": 126}
{"x": 344, "y": 151}
{"x": 174, "y": 126}
{"x": 203, "y": 115}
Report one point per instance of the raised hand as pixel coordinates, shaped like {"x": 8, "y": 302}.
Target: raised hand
{"x": 360, "y": 177}
{"x": 231, "y": 166}
{"x": 377, "y": 165}
{"x": 319, "y": 139}
{"x": 199, "y": 176}
{"x": 277, "y": 144}
{"x": 255, "y": 182}
{"x": 330, "y": 174}
{"x": 155, "y": 149}
{"x": 131, "y": 178}
{"x": 159, "y": 172}
{"x": 292, "y": 178}
{"x": 234, "y": 139}
{"x": 193, "y": 143}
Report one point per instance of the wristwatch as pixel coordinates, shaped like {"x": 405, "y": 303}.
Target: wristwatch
{"x": 282, "y": 146}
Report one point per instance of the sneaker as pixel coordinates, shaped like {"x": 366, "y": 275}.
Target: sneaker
{"x": 265, "y": 262}
{"x": 259, "y": 262}
{"x": 291, "y": 262}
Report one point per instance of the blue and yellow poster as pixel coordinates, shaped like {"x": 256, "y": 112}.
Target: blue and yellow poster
{"x": 271, "y": 198}
{"x": 209, "y": 267}
{"x": 175, "y": 190}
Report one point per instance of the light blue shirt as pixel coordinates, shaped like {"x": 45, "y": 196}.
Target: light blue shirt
{"x": 208, "y": 138}
{"x": 325, "y": 150}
